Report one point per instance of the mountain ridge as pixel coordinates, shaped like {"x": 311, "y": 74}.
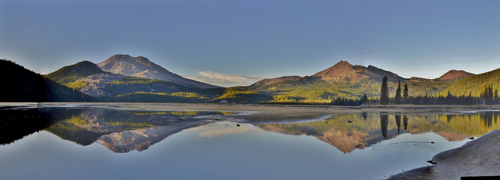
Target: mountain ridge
{"x": 455, "y": 74}
{"x": 345, "y": 72}
{"x": 349, "y": 81}
{"x": 71, "y": 73}
{"x": 139, "y": 81}
{"x": 472, "y": 85}
{"x": 144, "y": 68}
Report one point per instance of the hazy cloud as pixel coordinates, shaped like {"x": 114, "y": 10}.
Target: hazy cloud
{"x": 225, "y": 80}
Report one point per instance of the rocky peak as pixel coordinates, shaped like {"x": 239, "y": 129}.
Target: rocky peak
{"x": 342, "y": 72}
{"x": 455, "y": 74}
{"x": 342, "y": 68}
{"x": 141, "y": 67}
{"x": 126, "y": 58}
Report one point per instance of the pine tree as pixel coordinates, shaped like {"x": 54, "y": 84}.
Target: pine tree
{"x": 496, "y": 96}
{"x": 489, "y": 96}
{"x": 405, "y": 93}
{"x": 384, "y": 92}
{"x": 484, "y": 92}
{"x": 397, "y": 98}
{"x": 364, "y": 100}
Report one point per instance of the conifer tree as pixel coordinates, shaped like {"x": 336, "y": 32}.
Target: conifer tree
{"x": 405, "y": 93}
{"x": 364, "y": 100}
{"x": 384, "y": 92}
{"x": 496, "y": 96}
{"x": 397, "y": 98}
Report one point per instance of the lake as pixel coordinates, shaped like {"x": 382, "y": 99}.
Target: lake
{"x": 109, "y": 142}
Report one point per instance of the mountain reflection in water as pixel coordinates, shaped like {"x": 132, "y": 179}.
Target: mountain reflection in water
{"x": 124, "y": 131}
{"x": 119, "y": 131}
{"x": 348, "y": 132}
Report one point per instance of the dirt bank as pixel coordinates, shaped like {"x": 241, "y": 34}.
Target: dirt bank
{"x": 480, "y": 157}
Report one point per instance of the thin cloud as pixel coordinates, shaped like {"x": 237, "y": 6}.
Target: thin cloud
{"x": 225, "y": 80}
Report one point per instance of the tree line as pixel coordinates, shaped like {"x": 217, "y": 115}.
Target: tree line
{"x": 488, "y": 96}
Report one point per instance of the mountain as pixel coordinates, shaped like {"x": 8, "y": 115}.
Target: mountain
{"x": 127, "y": 78}
{"x": 89, "y": 79}
{"x": 342, "y": 72}
{"x": 69, "y": 74}
{"x": 344, "y": 80}
{"x": 348, "y": 132}
{"x": 472, "y": 84}
{"x": 347, "y": 73}
{"x": 141, "y": 67}
{"x": 455, "y": 74}
{"x": 22, "y": 85}
{"x": 341, "y": 80}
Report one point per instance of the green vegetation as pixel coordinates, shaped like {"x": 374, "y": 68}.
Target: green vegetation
{"x": 242, "y": 95}
{"x": 132, "y": 88}
{"x": 127, "y": 80}
{"x": 77, "y": 85}
{"x": 235, "y": 92}
{"x": 350, "y": 131}
{"x": 405, "y": 92}
{"x": 77, "y": 121}
{"x": 69, "y": 131}
{"x": 314, "y": 90}
{"x": 69, "y": 74}
{"x": 191, "y": 95}
{"x": 473, "y": 125}
{"x": 147, "y": 93}
{"x": 155, "y": 97}
{"x": 124, "y": 125}
{"x": 472, "y": 85}
{"x": 384, "y": 92}
{"x": 428, "y": 87}
{"x": 397, "y": 98}
{"x": 364, "y": 100}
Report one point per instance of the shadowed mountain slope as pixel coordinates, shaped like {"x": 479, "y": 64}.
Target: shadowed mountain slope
{"x": 22, "y": 85}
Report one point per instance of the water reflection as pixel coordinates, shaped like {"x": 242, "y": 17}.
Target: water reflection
{"x": 384, "y": 120}
{"x": 124, "y": 131}
{"x": 119, "y": 131}
{"x": 348, "y": 132}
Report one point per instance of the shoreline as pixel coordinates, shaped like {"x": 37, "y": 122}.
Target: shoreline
{"x": 479, "y": 157}
{"x": 264, "y": 107}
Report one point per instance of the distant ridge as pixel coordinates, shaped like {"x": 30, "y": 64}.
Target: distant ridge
{"x": 455, "y": 74}
{"x": 472, "y": 85}
{"x": 350, "y": 81}
{"x": 142, "y": 67}
{"x": 347, "y": 73}
{"x": 342, "y": 72}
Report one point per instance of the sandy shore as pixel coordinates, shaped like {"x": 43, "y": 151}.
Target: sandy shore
{"x": 480, "y": 157}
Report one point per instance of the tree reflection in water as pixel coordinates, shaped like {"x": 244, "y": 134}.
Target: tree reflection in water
{"x": 124, "y": 131}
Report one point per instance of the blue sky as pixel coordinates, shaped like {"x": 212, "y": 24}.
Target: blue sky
{"x": 214, "y": 40}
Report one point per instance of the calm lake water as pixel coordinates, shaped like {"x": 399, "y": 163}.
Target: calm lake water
{"x": 108, "y": 143}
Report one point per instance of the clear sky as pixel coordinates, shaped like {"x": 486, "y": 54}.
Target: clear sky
{"x": 235, "y": 40}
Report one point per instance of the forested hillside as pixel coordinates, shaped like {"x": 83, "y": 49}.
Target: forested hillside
{"x": 474, "y": 84}
{"x": 22, "y": 85}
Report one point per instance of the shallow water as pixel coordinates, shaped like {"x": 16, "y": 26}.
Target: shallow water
{"x": 104, "y": 143}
